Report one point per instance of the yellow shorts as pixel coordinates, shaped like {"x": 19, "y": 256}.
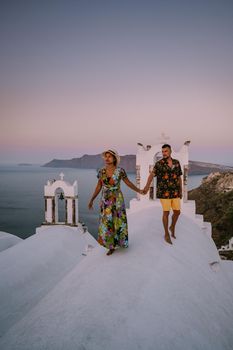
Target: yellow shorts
{"x": 173, "y": 203}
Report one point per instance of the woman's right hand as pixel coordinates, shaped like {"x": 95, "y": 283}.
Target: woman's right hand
{"x": 90, "y": 205}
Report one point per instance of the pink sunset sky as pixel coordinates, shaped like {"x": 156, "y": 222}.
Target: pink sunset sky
{"x": 79, "y": 77}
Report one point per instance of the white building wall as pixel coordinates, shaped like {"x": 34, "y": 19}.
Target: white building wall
{"x": 48, "y": 213}
{"x": 76, "y": 211}
{"x": 69, "y": 211}
{"x": 56, "y": 208}
{"x": 231, "y": 244}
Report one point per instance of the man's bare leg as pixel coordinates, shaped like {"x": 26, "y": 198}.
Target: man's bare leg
{"x": 175, "y": 216}
{"x": 165, "y": 225}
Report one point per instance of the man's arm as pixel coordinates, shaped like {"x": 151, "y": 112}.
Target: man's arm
{"x": 181, "y": 194}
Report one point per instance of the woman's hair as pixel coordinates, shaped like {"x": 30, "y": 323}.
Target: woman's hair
{"x": 114, "y": 160}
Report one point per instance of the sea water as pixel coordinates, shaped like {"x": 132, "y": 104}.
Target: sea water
{"x": 22, "y": 196}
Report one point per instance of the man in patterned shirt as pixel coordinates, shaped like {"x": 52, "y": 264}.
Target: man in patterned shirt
{"x": 169, "y": 188}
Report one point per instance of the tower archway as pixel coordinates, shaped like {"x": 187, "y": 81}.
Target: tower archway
{"x": 61, "y": 205}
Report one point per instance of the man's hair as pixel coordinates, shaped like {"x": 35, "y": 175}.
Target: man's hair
{"x": 166, "y": 145}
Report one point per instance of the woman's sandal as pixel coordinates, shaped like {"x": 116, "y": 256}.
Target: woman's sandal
{"x": 110, "y": 251}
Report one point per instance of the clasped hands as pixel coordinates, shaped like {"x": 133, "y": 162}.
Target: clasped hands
{"x": 144, "y": 191}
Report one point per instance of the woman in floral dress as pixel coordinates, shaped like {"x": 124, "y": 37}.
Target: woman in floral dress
{"x": 113, "y": 228}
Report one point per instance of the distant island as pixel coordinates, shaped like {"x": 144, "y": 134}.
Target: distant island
{"x": 24, "y": 164}
{"x": 128, "y": 162}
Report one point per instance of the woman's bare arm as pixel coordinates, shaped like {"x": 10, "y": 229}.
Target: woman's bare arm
{"x": 131, "y": 185}
{"x": 95, "y": 194}
{"x": 150, "y": 178}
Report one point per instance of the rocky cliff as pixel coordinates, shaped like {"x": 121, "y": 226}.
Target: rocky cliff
{"x": 214, "y": 200}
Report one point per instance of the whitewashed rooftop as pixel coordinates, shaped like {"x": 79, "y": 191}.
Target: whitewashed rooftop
{"x": 150, "y": 296}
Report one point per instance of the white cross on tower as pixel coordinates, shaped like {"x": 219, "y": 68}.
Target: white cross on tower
{"x": 163, "y": 138}
{"x": 62, "y": 176}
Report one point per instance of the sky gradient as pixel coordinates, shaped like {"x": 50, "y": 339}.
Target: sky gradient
{"x": 78, "y": 77}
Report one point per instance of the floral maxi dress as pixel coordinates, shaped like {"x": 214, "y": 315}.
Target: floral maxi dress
{"x": 113, "y": 228}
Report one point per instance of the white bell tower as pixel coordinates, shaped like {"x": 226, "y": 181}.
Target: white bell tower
{"x": 51, "y": 202}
